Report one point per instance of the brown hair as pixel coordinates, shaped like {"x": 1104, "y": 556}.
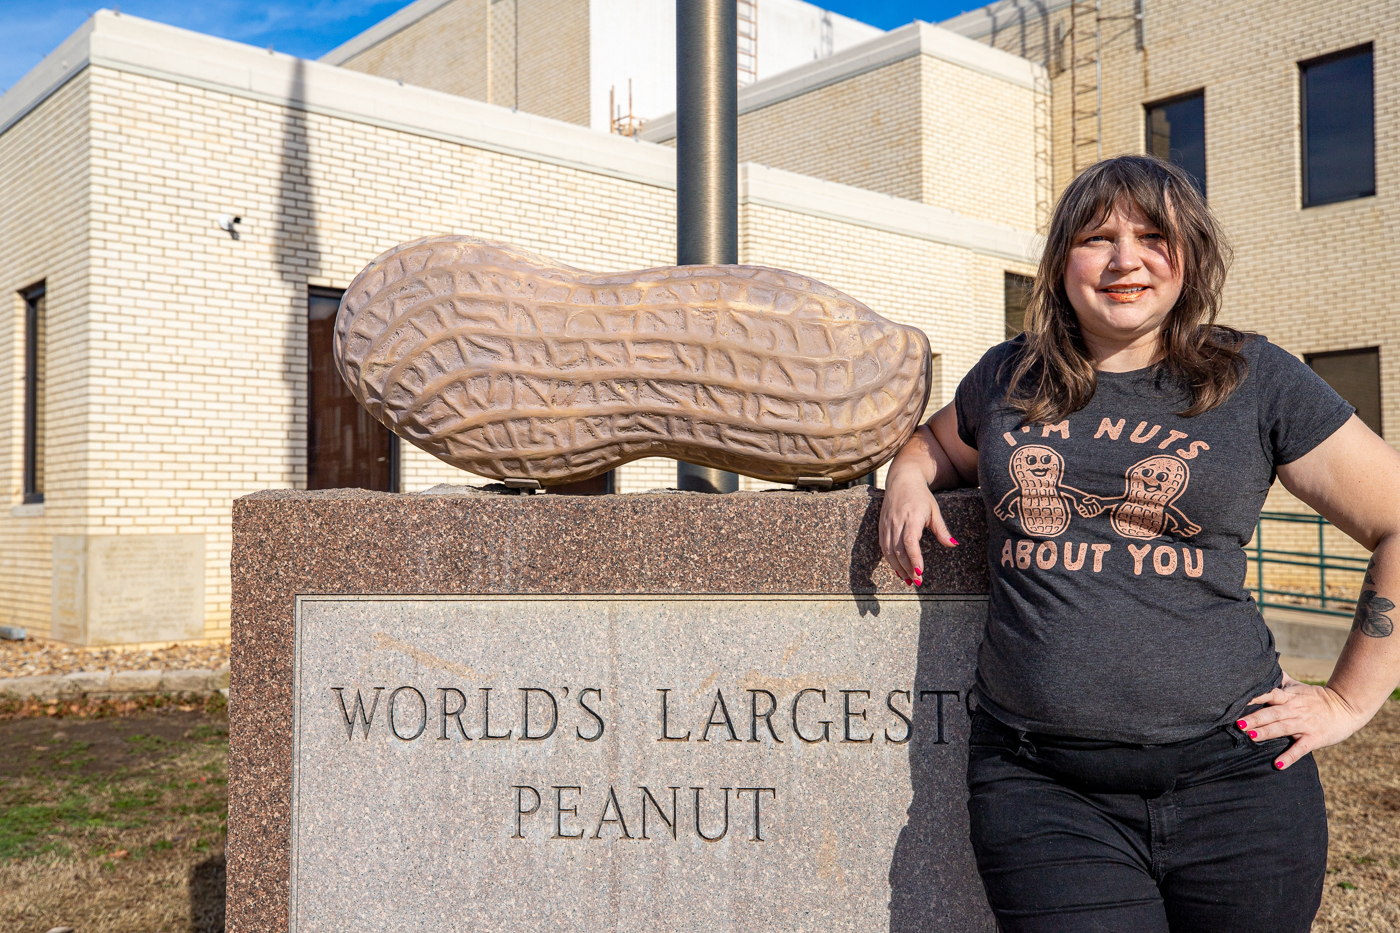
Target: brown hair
{"x": 1053, "y": 376}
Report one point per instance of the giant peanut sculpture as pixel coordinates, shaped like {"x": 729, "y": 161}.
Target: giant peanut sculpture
{"x": 508, "y": 365}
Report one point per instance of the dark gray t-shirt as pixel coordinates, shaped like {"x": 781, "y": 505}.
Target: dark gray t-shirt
{"x": 1118, "y": 608}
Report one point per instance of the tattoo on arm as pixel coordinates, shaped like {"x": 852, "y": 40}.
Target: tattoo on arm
{"x": 1371, "y": 609}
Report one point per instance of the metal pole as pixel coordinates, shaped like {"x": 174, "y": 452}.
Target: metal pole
{"x": 707, "y": 160}
{"x": 1259, "y": 559}
{"x": 1322, "y": 558}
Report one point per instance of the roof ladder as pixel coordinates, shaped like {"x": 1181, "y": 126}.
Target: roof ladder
{"x": 748, "y": 41}
{"x": 1085, "y": 84}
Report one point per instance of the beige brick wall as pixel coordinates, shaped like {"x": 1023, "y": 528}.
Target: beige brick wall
{"x": 469, "y": 48}
{"x": 554, "y": 59}
{"x": 501, "y": 34}
{"x": 45, "y": 202}
{"x": 979, "y": 144}
{"x": 193, "y": 391}
{"x": 923, "y": 128}
{"x": 864, "y": 131}
{"x": 199, "y": 340}
{"x": 445, "y": 50}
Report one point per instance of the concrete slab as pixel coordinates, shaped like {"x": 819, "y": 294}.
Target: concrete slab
{"x": 85, "y": 682}
{"x": 1302, "y": 634}
{"x": 36, "y": 686}
{"x": 186, "y": 681}
{"x": 134, "y": 682}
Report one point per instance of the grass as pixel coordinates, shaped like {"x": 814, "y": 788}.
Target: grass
{"x": 113, "y": 815}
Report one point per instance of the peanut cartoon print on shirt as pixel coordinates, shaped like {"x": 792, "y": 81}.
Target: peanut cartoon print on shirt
{"x": 1040, "y": 500}
{"x": 1146, "y": 509}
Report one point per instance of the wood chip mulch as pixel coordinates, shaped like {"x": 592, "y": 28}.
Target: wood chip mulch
{"x": 104, "y": 707}
{"x": 30, "y": 657}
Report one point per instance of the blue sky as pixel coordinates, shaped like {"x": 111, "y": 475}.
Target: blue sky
{"x": 33, "y": 28}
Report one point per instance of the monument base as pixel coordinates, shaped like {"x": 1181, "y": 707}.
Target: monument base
{"x": 665, "y": 711}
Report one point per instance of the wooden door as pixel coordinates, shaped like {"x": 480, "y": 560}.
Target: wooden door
{"x": 345, "y": 447}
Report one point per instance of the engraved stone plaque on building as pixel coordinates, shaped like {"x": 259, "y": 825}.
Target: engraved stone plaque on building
{"x": 127, "y": 589}
{"x": 634, "y": 763}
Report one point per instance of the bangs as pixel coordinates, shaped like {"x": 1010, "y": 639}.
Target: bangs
{"x": 1124, "y": 185}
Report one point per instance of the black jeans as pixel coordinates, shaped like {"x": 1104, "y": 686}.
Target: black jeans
{"x": 1203, "y": 836}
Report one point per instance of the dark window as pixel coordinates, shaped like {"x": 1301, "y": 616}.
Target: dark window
{"x": 345, "y": 446}
{"x": 1356, "y": 375}
{"x": 603, "y": 485}
{"x": 1339, "y": 127}
{"x": 1018, "y": 298}
{"x": 1176, "y": 132}
{"x": 35, "y": 358}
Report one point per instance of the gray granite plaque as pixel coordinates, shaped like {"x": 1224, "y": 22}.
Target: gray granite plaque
{"x": 633, "y": 763}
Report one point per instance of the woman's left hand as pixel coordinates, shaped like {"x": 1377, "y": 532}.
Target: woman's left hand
{"x": 1315, "y": 717}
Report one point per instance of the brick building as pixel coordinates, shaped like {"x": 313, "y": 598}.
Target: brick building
{"x": 159, "y": 359}
{"x": 1290, "y": 116}
{"x": 588, "y": 62}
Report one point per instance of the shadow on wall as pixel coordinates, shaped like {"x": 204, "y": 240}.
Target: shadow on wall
{"x": 1029, "y": 22}
{"x": 207, "y": 895}
{"x": 296, "y": 253}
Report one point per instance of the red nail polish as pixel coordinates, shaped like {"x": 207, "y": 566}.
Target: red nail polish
{"x": 1241, "y": 724}
{"x": 1279, "y": 765}
{"x": 954, "y": 540}
{"x": 1253, "y": 734}
{"x": 918, "y": 571}
{"x": 908, "y": 582}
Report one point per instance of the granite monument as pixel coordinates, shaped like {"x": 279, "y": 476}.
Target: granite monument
{"x": 468, "y": 710}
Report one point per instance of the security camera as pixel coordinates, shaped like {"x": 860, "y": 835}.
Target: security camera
{"x": 229, "y": 223}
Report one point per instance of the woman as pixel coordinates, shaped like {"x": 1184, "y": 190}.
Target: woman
{"x": 1138, "y": 760}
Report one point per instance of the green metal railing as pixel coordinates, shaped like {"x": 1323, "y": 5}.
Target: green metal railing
{"x": 1304, "y": 599}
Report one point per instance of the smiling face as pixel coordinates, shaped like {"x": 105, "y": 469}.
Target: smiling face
{"x": 1157, "y": 480}
{"x": 1037, "y": 469}
{"x": 1121, "y": 281}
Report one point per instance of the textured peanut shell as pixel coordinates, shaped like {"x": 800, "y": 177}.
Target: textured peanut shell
{"x": 508, "y": 365}
{"x": 1043, "y": 509}
{"x": 1143, "y": 514}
